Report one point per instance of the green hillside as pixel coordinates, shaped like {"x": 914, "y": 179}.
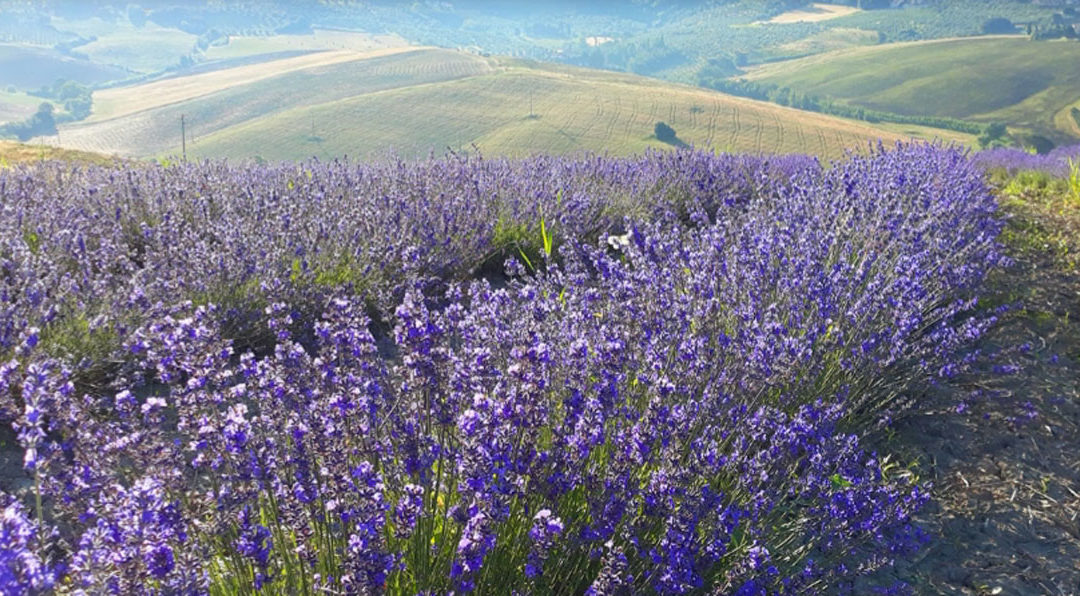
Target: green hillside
{"x": 1030, "y": 85}
{"x": 417, "y": 100}
{"x": 30, "y": 67}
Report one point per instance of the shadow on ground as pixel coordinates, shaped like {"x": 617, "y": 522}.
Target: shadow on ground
{"x": 674, "y": 142}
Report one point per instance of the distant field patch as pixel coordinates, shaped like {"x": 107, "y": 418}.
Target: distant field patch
{"x": 16, "y": 106}
{"x": 210, "y": 103}
{"x": 832, "y": 39}
{"x": 121, "y": 101}
{"x": 916, "y": 131}
{"x": 146, "y": 49}
{"x": 29, "y": 68}
{"x": 986, "y": 79}
{"x": 814, "y": 13}
{"x": 319, "y": 39}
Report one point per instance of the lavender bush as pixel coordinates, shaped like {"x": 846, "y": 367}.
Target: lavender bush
{"x": 1013, "y": 160}
{"x": 22, "y": 570}
{"x": 665, "y": 394}
{"x": 85, "y": 250}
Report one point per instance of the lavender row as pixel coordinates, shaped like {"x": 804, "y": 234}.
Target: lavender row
{"x": 81, "y": 249}
{"x": 1013, "y": 160}
{"x": 666, "y": 399}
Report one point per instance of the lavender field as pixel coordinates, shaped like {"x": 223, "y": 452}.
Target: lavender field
{"x": 656, "y": 374}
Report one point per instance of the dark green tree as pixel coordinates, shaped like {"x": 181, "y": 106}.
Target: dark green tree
{"x": 998, "y": 25}
{"x": 992, "y": 134}
{"x": 664, "y": 132}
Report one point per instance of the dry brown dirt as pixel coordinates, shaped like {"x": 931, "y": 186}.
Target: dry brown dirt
{"x": 1002, "y": 452}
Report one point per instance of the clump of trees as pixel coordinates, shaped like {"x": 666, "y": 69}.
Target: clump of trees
{"x": 665, "y": 133}
{"x": 998, "y": 26}
{"x": 41, "y": 123}
{"x": 210, "y": 37}
{"x": 75, "y": 97}
{"x": 994, "y": 135}
{"x": 1060, "y": 27}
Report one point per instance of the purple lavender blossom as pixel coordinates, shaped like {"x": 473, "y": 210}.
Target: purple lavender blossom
{"x": 306, "y": 380}
{"x": 22, "y": 568}
{"x": 1013, "y": 160}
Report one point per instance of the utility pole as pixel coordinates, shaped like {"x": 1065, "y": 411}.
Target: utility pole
{"x": 183, "y": 137}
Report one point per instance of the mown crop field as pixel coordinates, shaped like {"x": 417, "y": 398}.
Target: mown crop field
{"x": 318, "y": 39}
{"x": 1028, "y": 84}
{"x": 837, "y": 38}
{"x": 122, "y": 101}
{"x": 650, "y": 374}
{"x": 29, "y": 68}
{"x": 417, "y": 100}
{"x": 570, "y": 112}
{"x": 814, "y": 13}
{"x": 17, "y": 105}
{"x": 143, "y": 50}
{"x": 219, "y": 104}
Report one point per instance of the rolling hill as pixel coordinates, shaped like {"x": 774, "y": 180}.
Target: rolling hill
{"x": 1029, "y": 85}
{"x": 415, "y": 100}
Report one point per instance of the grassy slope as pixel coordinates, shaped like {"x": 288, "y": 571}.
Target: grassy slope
{"x": 18, "y": 105}
{"x": 1001, "y": 78}
{"x": 427, "y": 99}
{"x": 30, "y": 67}
{"x": 122, "y": 101}
{"x": 12, "y": 153}
{"x": 145, "y": 49}
{"x": 574, "y": 110}
{"x": 156, "y": 130}
{"x": 829, "y": 40}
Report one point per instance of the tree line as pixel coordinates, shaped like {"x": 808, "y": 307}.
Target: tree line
{"x": 786, "y": 96}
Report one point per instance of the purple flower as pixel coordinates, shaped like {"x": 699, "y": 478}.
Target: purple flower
{"x": 672, "y": 402}
{"x": 22, "y": 570}
{"x": 255, "y": 543}
{"x": 408, "y": 509}
{"x": 544, "y": 533}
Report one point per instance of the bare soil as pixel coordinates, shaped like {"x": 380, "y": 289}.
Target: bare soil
{"x": 1002, "y": 452}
